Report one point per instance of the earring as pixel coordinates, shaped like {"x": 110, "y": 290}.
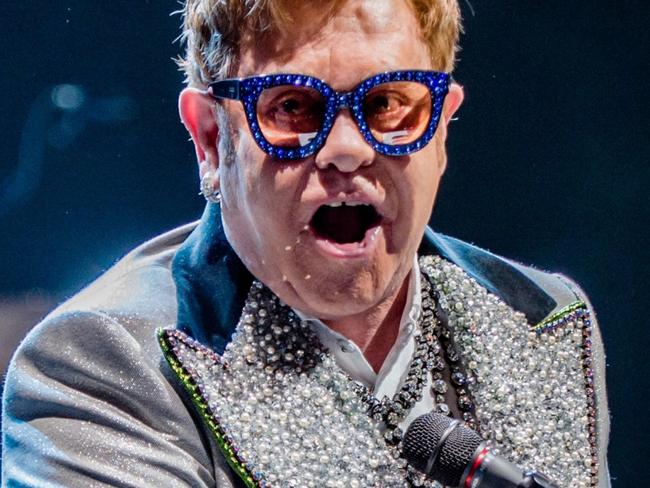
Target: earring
{"x": 207, "y": 188}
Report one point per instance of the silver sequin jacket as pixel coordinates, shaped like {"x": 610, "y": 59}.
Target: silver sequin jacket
{"x": 90, "y": 401}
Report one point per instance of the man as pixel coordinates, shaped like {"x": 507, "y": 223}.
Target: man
{"x": 319, "y": 128}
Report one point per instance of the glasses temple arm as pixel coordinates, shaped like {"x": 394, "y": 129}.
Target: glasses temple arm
{"x": 225, "y": 89}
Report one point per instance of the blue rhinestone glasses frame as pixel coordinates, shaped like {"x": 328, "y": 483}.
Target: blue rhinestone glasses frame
{"x": 248, "y": 91}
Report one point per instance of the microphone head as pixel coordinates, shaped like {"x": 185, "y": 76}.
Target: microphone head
{"x": 423, "y": 436}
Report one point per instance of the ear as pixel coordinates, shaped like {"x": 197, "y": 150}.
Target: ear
{"x": 196, "y": 109}
{"x": 453, "y": 100}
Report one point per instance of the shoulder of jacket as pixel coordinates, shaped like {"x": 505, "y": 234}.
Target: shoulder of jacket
{"x": 137, "y": 287}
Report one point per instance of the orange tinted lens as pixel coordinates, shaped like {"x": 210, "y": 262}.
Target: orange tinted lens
{"x": 290, "y": 116}
{"x": 397, "y": 112}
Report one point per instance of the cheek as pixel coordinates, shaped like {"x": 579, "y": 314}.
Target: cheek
{"x": 260, "y": 196}
{"x": 424, "y": 175}
{"x": 248, "y": 185}
{"x": 238, "y": 177}
{"x": 417, "y": 187}
{"x": 429, "y": 169}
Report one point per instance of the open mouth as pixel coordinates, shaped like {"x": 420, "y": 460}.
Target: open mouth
{"x": 344, "y": 222}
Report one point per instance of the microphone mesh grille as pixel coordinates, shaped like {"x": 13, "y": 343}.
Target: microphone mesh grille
{"x": 456, "y": 454}
{"x": 422, "y": 437}
{"x": 424, "y": 434}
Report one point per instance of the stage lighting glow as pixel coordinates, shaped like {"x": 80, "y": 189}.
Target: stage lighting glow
{"x": 68, "y": 97}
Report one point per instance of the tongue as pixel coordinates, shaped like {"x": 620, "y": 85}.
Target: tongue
{"x": 344, "y": 224}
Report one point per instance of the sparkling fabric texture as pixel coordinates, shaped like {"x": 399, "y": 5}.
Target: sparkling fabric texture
{"x": 291, "y": 416}
{"x": 531, "y": 387}
{"x": 285, "y": 415}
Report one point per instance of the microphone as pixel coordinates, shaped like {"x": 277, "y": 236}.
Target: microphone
{"x": 455, "y": 455}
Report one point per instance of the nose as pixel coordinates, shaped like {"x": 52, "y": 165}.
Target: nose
{"x": 345, "y": 148}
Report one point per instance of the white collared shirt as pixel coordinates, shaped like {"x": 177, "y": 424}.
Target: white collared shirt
{"x": 391, "y": 376}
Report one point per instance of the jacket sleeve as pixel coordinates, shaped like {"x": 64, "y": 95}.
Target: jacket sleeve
{"x": 86, "y": 405}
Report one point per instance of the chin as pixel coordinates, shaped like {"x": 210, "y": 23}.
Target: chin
{"x": 333, "y": 305}
{"x": 340, "y": 289}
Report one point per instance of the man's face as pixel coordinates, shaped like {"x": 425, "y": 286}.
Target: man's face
{"x": 282, "y": 218}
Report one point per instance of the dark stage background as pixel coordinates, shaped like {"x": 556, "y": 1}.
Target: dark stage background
{"x": 548, "y": 162}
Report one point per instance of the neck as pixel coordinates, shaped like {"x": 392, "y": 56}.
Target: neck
{"x": 375, "y": 331}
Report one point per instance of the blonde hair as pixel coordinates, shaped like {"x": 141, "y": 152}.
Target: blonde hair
{"x": 213, "y": 30}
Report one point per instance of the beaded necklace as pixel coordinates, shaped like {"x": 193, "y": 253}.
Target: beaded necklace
{"x": 434, "y": 353}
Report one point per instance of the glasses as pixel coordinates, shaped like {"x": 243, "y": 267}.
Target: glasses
{"x": 291, "y": 115}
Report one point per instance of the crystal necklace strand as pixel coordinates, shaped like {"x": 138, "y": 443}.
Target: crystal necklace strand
{"x": 433, "y": 342}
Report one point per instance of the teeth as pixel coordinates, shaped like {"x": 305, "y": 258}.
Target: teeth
{"x": 347, "y": 204}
